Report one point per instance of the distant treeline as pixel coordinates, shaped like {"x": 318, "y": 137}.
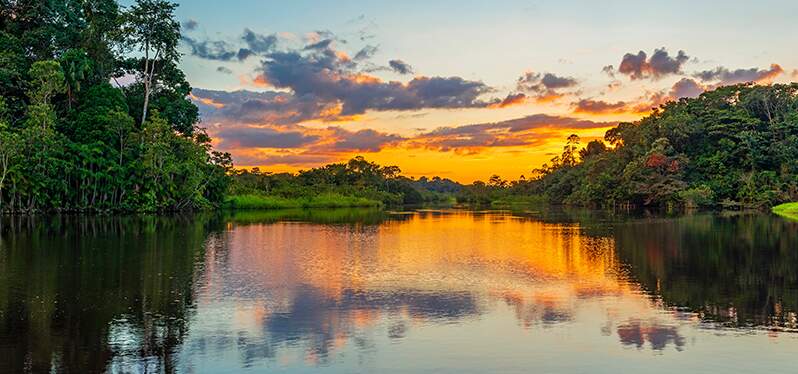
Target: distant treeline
{"x": 70, "y": 140}
{"x": 736, "y": 146}
{"x": 335, "y": 185}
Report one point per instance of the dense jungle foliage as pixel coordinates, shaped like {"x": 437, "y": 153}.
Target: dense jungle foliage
{"x": 94, "y": 114}
{"x": 735, "y": 146}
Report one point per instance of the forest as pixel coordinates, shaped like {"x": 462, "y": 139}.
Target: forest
{"x": 733, "y": 147}
{"x": 94, "y": 114}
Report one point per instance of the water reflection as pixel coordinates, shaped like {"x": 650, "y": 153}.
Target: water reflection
{"x": 738, "y": 270}
{"x": 354, "y": 290}
{"x": 84, "y": 294}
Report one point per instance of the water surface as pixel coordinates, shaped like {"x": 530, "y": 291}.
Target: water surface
{"x": 425, "y": 291}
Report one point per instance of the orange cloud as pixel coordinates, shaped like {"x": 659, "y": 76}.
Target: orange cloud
{"x": 724, "y": 76}
{"x": 530, "y": 131}
{"x": 260, "y": 81}
{"x": 510, "y": 100}
{"x": 770, "y": 75}
{"x": 206, "y": 101}
{"x": 343, "y": 56}
{"x": 361, "y": 78}
{"x": 548, "y": 98}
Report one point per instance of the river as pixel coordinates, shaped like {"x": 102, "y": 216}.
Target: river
{"x": 448, "y": 291}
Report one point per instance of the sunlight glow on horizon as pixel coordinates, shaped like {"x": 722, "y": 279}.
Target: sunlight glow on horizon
{"x": 315, "y": 92}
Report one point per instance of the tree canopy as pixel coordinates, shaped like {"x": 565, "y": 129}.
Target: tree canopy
{"x": 72, "y": 138}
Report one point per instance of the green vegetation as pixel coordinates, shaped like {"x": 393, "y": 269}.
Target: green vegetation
{"x": 789, "y": 210}
{"x": 734, "y": 147}
{"x": 356, "y": 183}
{"x": 498, "y": 193}
{"x": 326, "y": 216}
{"x": 72, "y": 141}
{"x": 326, "y": 200}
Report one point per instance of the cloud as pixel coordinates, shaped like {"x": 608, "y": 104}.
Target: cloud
{"x": 224, "y": 70}
{"x": 639, "y": 66}
{"x": 609, "y": 70}
{"x": 260, "y": 158}
{"x": 545, "y": 87}
{"x": 642, "y": 105}
{"x": 400, "y": 67}
{"x": 510, "y": 100}
{"x": 366, "y": 140}
{"x": 268, "y": 107}
{"x": 535, "y": 82}
{"x": 589, "y": 106}
{"x": 211, "y": 49}
{"x": 686, "y": 87}
{"x": 317, "y": 81}
{"x": 239, "y": 129}
{"x": 724, "y": 76}
{"x": 190, "y": 24}
{"x": 322, "y": 44}
{"x": 366, "y": 52}
{"x": 258, "y": 43}
{"x": 261, "y": 137}
{"x": 328, "y": 77}
{"x": 220, "y": 50}
{"x": 526, "y": 131}
{"x": 614, "y": 85}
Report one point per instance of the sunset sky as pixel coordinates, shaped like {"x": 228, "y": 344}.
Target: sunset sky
{"x": 460, "y": 89}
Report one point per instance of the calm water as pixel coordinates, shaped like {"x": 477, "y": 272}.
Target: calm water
{"x": 431, "y": 291}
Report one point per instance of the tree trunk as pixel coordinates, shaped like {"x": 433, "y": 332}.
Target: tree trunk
{"x": 146, "y": 101}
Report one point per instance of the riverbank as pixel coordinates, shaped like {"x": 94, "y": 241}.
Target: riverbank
{"x": 788, "y": 210}
{"x": 328, "y": 200}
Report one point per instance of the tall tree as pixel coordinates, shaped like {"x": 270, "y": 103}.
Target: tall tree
{"x": 76, "y": 67}
{"x": 151, "y": 28}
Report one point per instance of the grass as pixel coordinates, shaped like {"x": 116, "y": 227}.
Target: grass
{"x": 523, "y": 200}
{"x": 333, "y": 216}
{"x": 788, "y": 210}
{"x": 328, "y": 200}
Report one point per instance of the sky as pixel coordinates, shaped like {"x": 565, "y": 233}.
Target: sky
{"x": 460, "y": 89}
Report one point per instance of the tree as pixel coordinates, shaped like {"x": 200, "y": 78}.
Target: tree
{"x": 570, "y": 151}
{"x": 150, "y": 28}
{"x": 9, "y": 149}
{"x": 497, "y": 182}
{"x": 593, "y": 148}
{"x": 47, "y": 80}
{"x": 76, "y": 67}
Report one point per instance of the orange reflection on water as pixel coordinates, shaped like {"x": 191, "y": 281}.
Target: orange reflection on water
{"x": 323, "y": 283}
{"x": 431, "y": 251}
